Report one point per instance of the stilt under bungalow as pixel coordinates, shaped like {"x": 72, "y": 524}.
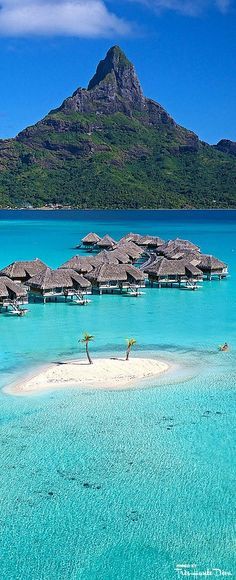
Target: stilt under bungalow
{"x": 12, "y": 296}
{"x": 109, "y": 278}
{"x": 56, "y": 285}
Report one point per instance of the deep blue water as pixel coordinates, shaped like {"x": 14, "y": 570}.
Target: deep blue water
{"x": 159, "y": 462}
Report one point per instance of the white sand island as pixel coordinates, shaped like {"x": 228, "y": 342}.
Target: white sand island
{"x": 114, "y": 373}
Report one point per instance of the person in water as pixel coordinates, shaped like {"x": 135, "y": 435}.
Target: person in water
{"x": 224, "y": 347}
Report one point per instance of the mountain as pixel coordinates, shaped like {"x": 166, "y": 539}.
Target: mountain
{"x": 108, "y": 146}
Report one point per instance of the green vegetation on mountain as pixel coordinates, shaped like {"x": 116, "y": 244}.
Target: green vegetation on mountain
{"x": 110, "y": 147}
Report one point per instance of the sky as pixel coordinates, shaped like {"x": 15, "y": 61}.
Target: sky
{"x": 184, "y": 52}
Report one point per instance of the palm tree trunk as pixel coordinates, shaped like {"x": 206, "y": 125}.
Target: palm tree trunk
{"x": 88, "y": 355}
{"x": 127, "y": 353}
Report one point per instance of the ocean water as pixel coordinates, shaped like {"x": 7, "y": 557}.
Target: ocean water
{"x": 120, "y": 485}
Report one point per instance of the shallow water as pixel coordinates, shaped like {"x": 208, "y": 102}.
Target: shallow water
{"x": 119, "y": 485}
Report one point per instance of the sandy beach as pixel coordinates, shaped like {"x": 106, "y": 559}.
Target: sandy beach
{"x": 114, "y": 373}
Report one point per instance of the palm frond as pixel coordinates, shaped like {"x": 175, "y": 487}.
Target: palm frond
{"x": 86, "y": 337}
{"x": 131, "y": 341}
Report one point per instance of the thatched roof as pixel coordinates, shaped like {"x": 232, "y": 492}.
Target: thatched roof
{"x": 104, "y": 257}
{"x": 106, "y": 242}
{"x": 150, "y": 241}
{"x": 140, "y": 240}
{"x": 185, "y": 244}
{"x": 91, "y": 238}
{"x": 60, "y": 278}
{"x": 108, "y": 273}
{"x": 121, "y": 256}
{"x": 115, "y": 273}
{"x": 164, "y": 267}
{"x": 181, "y": 253}
{"x": 207, "y": 262}
{"x": 9, "y": 288}
{"x": 23, "y": 269}
{"x": 130, "y": 248}
{"x": 176, "y": 245}
{"x": 130, "y": 237}
{"x": 77, "y": 278}
{"x": 174, "y": 254}
{"x": 131, "y": 245}
{"x": 80, "y": 264}
{"x": 134, "y": 273}
{"x": 192, "y": 270}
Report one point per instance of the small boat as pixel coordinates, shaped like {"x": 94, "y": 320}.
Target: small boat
{"x": 18, "y": 312}
{"x": 135, "y": 292}
{"x": 79, "y": 302}
{"x": 194, "y": 287}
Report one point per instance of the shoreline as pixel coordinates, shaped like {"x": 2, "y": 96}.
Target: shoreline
{"x": 104, "y": 374}
{"x": 174, "y": 209}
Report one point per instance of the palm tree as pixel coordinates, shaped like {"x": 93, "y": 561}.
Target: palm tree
{"x": 130, "y": 342}
{"x": 86, "y": 339}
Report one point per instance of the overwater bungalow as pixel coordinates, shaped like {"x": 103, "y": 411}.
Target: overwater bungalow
{"x": 80, "y": 264}
{"x": 104, "y": 257}
{"x": 212, "y": 267}
{"x": 130, "y": 237}
{"x": 20, "y": 271}
{"x": 171, "y": 272}
{"x": 180, "y": 253}
{"x": 193, "y": 273}
{"x": 111, "y": 278}
{"x": 89, "y": 242}
{"x": 55, "y": 284}
{"x": 106, "y": 243}
{"x": 150, "y": 242}
{"x": 12, "y": 294}
{"x": 175, "y": 246}
{"x": 131, "y": 249}
{"x": 145, "y": 241}
{"x": 121, "y": 256}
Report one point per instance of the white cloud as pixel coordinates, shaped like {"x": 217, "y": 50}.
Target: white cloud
{"x": 188, "y": 7}
{"x": 85, "y": 18}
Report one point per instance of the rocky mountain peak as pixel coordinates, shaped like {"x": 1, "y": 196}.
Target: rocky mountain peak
{"x": 114, "y": 87}
{"x": 114, "y": 64}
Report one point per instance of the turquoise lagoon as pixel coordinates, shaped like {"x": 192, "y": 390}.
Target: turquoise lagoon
{"x": 119, "y": 485}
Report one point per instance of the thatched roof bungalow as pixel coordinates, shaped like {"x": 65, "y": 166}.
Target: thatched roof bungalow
{"x": 80, "y": 264}
{"x": 181, "y": 253}
{"x": 145, "y": 241}
{"x": 134, "y": 275}
{"x": 176, "y": 246}
{"x": 104, "y": 257}
{"x": 21, "y": 271}
{"x": 131, "y": 249}
{"x": 120, "y": 255}
{"x": 11, "y": 291}
{"x": 130, "y": 237}
{"x": 211, "y": 266}
{"x": 193, "y": 272}
{"x": 90, "y": 240}
{"x": 106, "y": 242}
{"x": 165, "y": 267}
{"x": 166, "y": 272}
{"x": 109, "y": 277}
{"x": 55, "y": 283}
{"x": 150, "y": 242}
